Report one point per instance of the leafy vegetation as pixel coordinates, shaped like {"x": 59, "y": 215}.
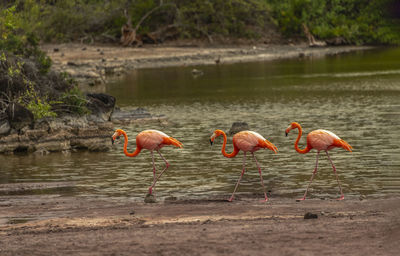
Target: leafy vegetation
{"x": 25, "y": 75}
{"x": 40, "y": 107}
{"x": 356, "y": 21}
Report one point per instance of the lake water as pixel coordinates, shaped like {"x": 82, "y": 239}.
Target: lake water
{"x": 356, "y": 96}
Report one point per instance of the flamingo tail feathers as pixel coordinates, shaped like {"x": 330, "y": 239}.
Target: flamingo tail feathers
{"x": 343, "y": 144}
{"x": 269, "y": 145}
{"x": 173, "y": 141}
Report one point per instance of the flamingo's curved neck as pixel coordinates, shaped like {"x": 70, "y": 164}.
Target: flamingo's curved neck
{"x": 235, "y": 149}
{"x": 296, "y": 144}
{"x": 133, "y": 154}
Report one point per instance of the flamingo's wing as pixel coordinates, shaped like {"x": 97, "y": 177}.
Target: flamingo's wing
{"x": 325, "y": 140}
{"x": 251, "y": 141}
{"x": 150, "y": 139}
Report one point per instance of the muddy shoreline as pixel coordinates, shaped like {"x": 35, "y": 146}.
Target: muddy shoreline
{"x": 62, "y": 225}
{"x": 97, "y": 64}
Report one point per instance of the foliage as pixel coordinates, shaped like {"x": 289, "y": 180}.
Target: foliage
{"x": 40, "y": 107}
{"x": 357, "y": 21}
{"x": 24, "y": 68}
{"x": 86, "y": 20}
{"x": 74, "y": 101}
{"x": 63, "y": 21}
{"x": 20, "y": 42}
{"x": 222, "y": 17}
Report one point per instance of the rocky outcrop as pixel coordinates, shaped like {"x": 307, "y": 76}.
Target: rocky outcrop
{"x": 19, "y": 116}
{"x": 100, "y": 105}
{"x": 61, "y": 134}
{"x": 69, "y": 133}
{"x": 4, "y": 124}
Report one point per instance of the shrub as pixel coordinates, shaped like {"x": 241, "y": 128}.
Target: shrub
{"x": 357, "y": 21}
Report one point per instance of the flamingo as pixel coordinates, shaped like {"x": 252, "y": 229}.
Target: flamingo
{"x": 151, "y": 140}
{"x": 320, "y": 140}
{"x": 247, "y": 141}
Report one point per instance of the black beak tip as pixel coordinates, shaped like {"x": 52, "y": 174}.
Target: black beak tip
{"x": 112, "y": 141}
{"x": 211, "y": 142}
{"x": 286, "y": 134}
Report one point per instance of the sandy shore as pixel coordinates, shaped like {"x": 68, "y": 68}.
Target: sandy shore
{"x": 95, "y": 64}
{"x": 55, "y": 225}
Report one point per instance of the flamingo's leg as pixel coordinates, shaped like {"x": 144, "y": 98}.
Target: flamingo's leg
{"x": 337, "y": 178}
{"x": 241, "y": 175}
{"x": 154, "y": 171}
{"x": 262, "y": 181}
{"x": 166, "y": 167}
{"x": 312, "y": 177}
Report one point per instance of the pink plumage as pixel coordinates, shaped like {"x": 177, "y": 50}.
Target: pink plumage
{"x": 247, "y": 141}
{"x": 320, "y": 140}
{"x": 151, "y": 140}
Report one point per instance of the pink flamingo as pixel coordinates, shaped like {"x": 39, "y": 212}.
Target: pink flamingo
{"x": 247, "y": 141}
{"x": 151, "y": 140}
{"x": 320, "y": 140}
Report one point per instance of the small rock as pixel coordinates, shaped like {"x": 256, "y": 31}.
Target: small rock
{"x": 171, "y": 198}
{"x": 84, "y": 49}
{"x": 310, "y": 215}
{"x": 132, "y": 212}
{"x": 362, "y": 197}
{"x": 150, "y": 199}
{"x": 197, "y": 72}
{"x": 109, "y": 70}
{"x": 206, "y": 221}
{"x": 101, "y": 53}
{"x": 238, "y": 127}
{"x": 56, "y": 49}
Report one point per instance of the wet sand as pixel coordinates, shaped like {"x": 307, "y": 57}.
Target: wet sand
{"x": 59, "y": 225}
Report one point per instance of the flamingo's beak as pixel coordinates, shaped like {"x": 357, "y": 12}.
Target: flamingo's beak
{"x": 288, "y": 130}
{"x": 212, "y": 138}
{"x": 114, "y": 137}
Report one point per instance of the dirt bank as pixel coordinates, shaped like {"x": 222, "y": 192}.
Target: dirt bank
{"x": 94, "y": 64}
{"x": 54, "y": 225}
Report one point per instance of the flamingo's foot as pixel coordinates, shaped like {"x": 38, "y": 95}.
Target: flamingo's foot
{"x": 300, "y": 199}
{"x": 230, "y": 199}
{"x": 340, "y": 198}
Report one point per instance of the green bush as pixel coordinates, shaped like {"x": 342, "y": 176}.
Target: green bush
{"x": 357, "y": 21}
{"x": 73, "y": 101}
{"x": 40, "y": 107}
